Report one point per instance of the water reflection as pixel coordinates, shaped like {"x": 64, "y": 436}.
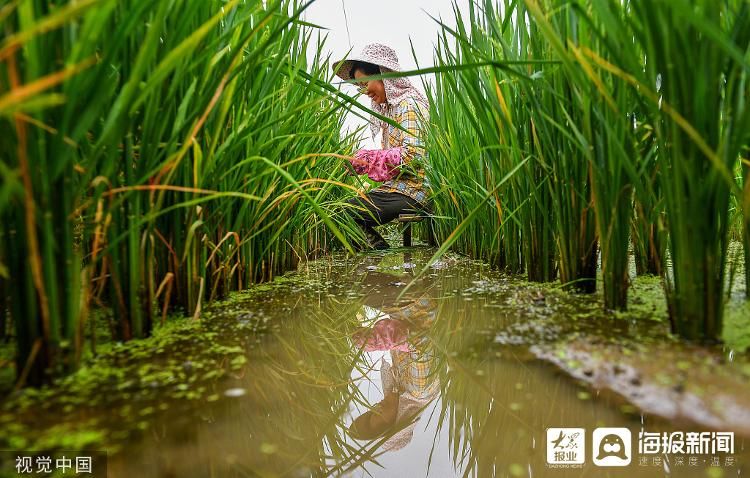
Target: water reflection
{"x": 354, "y": 380}
{"x": 409, "y": 381}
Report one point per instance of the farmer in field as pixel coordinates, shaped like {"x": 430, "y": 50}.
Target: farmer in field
{"x": 399, "y": 165}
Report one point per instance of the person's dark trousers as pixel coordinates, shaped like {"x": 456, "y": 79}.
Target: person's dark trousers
{"x": 385, "y": 207}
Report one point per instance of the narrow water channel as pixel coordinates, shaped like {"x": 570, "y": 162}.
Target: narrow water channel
{"x": 350, "y": 372}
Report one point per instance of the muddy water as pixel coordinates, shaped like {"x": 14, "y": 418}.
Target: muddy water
{"x": 350, "y": 372}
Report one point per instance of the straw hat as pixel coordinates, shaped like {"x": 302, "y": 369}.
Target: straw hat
{"x": 375, "y": 53}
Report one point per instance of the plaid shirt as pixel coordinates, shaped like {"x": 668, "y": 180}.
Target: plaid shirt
{"x": 411, "y": 181}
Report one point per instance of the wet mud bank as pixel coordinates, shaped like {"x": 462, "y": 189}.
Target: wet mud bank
{"x": 682, "y": 384}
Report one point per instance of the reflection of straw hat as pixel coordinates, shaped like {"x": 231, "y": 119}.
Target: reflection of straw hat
{"x": 375, "y": 53}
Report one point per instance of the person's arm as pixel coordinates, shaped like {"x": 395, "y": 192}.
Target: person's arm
{"x": 383, "y": 164}
{"x": 386, "y": 334}
{"x": 411, "y": 145}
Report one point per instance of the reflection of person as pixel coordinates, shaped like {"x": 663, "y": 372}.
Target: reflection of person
{"x": 409, "y": 385}
{"x": 399, "y": 163}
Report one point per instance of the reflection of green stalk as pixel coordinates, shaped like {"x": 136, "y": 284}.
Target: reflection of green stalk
{"x": 476, "y": 411}
{"x": 305, "y": 388}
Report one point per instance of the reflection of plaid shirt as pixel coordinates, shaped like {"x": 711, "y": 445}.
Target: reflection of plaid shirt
{"x": 411, "y": 181}
{"x": 414, "y": 372}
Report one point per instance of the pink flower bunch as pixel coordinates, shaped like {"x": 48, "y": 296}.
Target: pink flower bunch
{"x": 378, "y": 164}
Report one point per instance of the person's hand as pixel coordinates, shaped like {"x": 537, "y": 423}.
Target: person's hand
{"x": 350, "y": 169}
{"x": 358, "y": 163}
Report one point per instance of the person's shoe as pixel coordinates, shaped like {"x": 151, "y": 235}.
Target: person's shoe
{"x": 381, "y": 245}
{"x": 377, "y": 241}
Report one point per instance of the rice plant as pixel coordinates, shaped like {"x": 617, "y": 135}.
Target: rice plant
{"x": 601, "y": 107}
{"x": 481, "y": 129}
{"x": 605, "y": 108}
{"x": 556, "y": 114}
{"x": 516, "y": 114}
{"x": 153, "y": 160}
{"x": 648, "y": 210}
{"x": 745, "y": 208}
{"x": 700, "y": 123}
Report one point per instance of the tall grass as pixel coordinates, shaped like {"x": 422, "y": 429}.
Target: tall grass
{"x": 156, "y": 155}
{"x": 745, "y": 208}
{"x": 481, "y": 128}
{"x": 601, "y": 107}
{"x": 700, "y": 123}
{"x": 154, "y": 161}
{"x": 629, "y": 119}
{"x": 648, "y": 204}
{"x": 518, "y": 113}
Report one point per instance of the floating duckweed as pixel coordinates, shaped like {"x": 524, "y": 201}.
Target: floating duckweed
{"x": 516, "y": 469}
{"x": 268, "y": 448}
